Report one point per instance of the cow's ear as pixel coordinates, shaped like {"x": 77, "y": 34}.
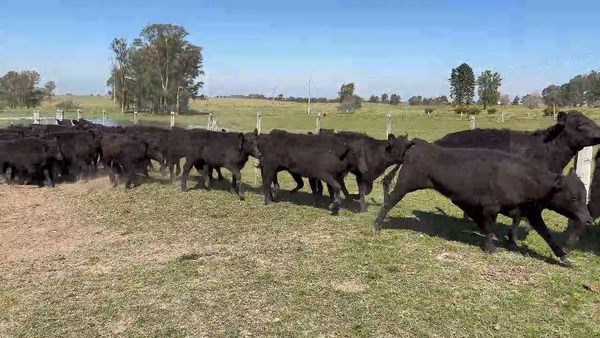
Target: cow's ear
{"x": 255, "y": 131}
{"x": 241, "y": 140}
{"x": 389, "y": 145}
{"x": 391, "y": 136}
{"x": 561, "y": 118}
{"x": 558, "y": 183}
{"x": 572, "y": 172}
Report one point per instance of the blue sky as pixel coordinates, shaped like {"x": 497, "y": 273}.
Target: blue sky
{"x": 406, "y": 47}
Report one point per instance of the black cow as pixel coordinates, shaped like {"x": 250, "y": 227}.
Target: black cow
{"x": 484, "y": 183}
{"x": 30, "y": 157}
{"x": 218, "y": 149}
{"x": 321, "y": 157}
{"x": 80, "y": 150}
{"x": 124, "y": 153}
{"x": 552, "y": 148}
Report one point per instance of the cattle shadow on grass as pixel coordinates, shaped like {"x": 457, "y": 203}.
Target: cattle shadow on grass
{"x": 465, "y": 231}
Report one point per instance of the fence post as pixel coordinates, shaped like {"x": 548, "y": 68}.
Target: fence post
{"x": 172, "y": 119}
{"x": 36, "y": 117}
{"x": 502, "y": 116}
{"x": 103, "y": 117}
{"x": 210, "y": 119}
{"x": 258, "y": 129}
{"x": 554, "y": 111}
{"x": 583, "y": 167}
{"x": 318, "y": 123}
{"x": 259, "y": 122}
{"x": 472, "y": 121}
{"x": 388, "y": 130}
{"x": 78, "y": 114}
{"x": 135, "y": 118}
{"x": 214, "y": 126}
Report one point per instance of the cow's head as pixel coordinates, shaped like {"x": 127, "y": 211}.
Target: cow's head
{"x": 250, "y": 144}
{"x": 52, "y": 149}
{"x": 396, "y": 147}
{"x": 570, "y": 201}
{"x": 580, "y": 130}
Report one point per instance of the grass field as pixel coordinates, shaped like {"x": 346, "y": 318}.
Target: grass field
{"x": 88, "y": 260}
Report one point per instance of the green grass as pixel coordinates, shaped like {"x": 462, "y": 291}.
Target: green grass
{"x": 204, "y": 263}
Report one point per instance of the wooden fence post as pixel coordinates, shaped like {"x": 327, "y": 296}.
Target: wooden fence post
{"x": 36, "y": 117}
{"x": 172, "y": 119}
{"x": 388, "y": 130}
{"x": 136, "y": 118}
{"x": 258, "y": 128}
{"x": 78, "y": 114}
{"x": 103, "y": 117}
{"x": 60, "y": 115}
{"x": 554, "y": 111}
{"x": 318, "y": 123}
{"x": 472, "y": 121}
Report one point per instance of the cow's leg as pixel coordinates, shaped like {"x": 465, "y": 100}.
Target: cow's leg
{"x": 178, "y": 167}
{"x": 512, "y": 235}
{"x": 334, "y": 191}
{"x": 313, "y": 186}
{"x": 387, "y": 182}
{"x": 237, "y": 182}
{"x": 111, "y": 172}
{"x": 267, "y": 178}
{"x": 184, "y": 174}
{"x": 48, "y": 178}
{"x": 536, "y": 221}
{"x": 276, "y": 186}
{"x": 362, "y": 191}
{"x": 319, "y": 188}
{"x": 299, "y": 183}
{"x": 488, "y": 222}
{"x": 345, "y": 190}
{"x": 407, "y": 182}
{"x": 219, "y": 175}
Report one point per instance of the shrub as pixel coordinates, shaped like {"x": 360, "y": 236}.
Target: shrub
{"x": 548, "y": 111}
{"x": 68, "y": 105}
{"x": 428, "y": 110}
{"x": 460, "y": 109}
{"x": 492, "y": 110}
{"x": 350, "y": 104}
{"x": 473, "y": 110}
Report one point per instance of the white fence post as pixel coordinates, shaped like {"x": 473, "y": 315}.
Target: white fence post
{"x": 172, "y": 119}
{"x": 472, "y": 121}
{"x": 210, "y": 120}
{"x": 583, "y": 168}
{"x": 78, "y": 114}
{"x": 103, "y": 117}
{"x": 36, "y": 117}
{"x": 318, "y": 123}
{"x": 388, "y": 130}
{"x": 136, "y": 118}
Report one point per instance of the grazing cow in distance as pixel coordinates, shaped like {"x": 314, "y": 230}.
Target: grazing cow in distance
{"x": 485, "y": 183}
{"x": 553, "y": 147}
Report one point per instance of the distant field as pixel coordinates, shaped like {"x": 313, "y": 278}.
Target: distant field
{"x": 88, "y": 260}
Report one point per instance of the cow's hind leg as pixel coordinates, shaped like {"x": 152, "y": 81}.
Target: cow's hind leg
{"x": 237, "y": 182}
{"x": 185, "y": 173}
{"x": 267, "y": 178}
{"x": 299, "y": 183}
{"x": 536, "y": 221}
{"x": 512, "y": 234}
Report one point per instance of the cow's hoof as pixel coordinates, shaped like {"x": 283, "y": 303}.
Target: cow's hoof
{"x": 490, "y": 248}
{"x": 566, "y": 260}
{"x": 512, "y": 246}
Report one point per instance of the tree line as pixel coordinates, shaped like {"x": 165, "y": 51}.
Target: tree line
{"x": 393, "y": 99}
{"x": 21, "y": 90}
{"x": 157, "y": 72}
{"x": 279, "y": 97}
{"x": 580, "y": 90}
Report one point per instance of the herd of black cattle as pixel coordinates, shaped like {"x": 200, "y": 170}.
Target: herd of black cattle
{"x": 485, "y": 172}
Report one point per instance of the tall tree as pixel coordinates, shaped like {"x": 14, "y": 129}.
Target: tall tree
{"x": 488, "y": 84}
{"x": 49, "y": 88}
{"x": 122, "y": 53}
{"x": 384, "y": 98}
{"x": 395, "y": 99}
{"x": 516, "y": 101}
{"x": 551, "y": 95}
{"x": 415, "y": 100}
{"x": 462, "y": 85}
{"x": 592, "y": 95}
{"x": 532, "y": 100}
{"x": 349, "y": 102}
{"x": 374, "y": 99}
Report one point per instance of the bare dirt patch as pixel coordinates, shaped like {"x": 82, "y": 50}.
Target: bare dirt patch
{"x": 37, "y": 222}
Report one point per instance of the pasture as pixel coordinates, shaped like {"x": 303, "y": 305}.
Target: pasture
{"x": 89, "y": 260}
